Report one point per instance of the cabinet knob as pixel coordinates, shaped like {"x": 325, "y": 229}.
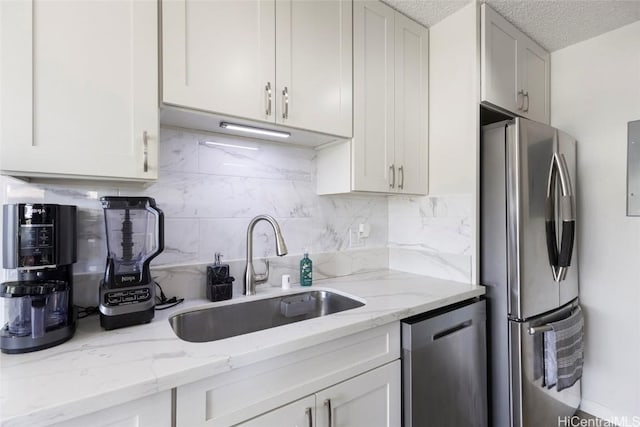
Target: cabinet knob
{"x": 526, "y": 95}
{"x": 401, "y": 172}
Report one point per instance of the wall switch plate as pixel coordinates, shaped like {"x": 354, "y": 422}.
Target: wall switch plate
{"x": 633, "y": 169}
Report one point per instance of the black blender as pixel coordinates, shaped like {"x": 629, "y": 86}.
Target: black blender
{"x": 135, "y": 235}
{"x": 39, "y": 242}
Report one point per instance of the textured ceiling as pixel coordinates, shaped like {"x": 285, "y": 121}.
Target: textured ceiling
{"x": 554, "y": 24}
{"x": 427, "y": 12}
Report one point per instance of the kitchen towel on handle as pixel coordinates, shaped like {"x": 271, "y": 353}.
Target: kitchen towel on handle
{"x": 550, "y": 359}
{"x": 567, "y": 338}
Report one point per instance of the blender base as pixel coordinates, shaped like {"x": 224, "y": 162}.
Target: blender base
{"x": 126, "y": 319}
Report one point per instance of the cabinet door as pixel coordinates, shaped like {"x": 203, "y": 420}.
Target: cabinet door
{"x": 314, "y": 65}
{"x": 79, "y": 89}
{"x": 368, "y": 400}
{"x": 219, "y": 56}
{"x": 152, "y": 411}
{"x": 374, "y": 111}
{"x": 499, "y": 62}
{"x": 411, "y": 105}
{"x": 535, "y": 77}
{"x": 300, "y": 413}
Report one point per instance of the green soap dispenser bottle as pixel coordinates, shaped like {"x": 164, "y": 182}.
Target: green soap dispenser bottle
{"x": 306, "y": 268}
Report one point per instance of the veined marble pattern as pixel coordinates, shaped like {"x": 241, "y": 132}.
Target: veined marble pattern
{"x": 431, "y": 235}
{"x": 188, "y": 280}
{"x": 99, "y": 369}
{"x": 210, "y": 187}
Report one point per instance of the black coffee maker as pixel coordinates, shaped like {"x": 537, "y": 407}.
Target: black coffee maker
{"x": 135, "y": 235}
{"x": 40, "y": 243}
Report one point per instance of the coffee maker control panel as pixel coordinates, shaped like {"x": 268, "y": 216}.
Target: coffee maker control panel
{"x": 42, "y": 235}
{"x": 36, "y": 245}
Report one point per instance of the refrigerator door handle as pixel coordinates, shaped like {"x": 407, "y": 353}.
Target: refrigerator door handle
{"x": 567, "y": 215}
{"x": 560, "y": 260}
{"x": 550, "y": 219}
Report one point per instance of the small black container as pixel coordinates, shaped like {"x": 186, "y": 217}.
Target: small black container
{"x": 219, "y": 282}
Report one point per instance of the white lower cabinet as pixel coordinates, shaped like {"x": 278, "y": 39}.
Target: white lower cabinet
{"x": 368, "y": 400}
{"x": 151, "y": 411}
{"x": 357, "y": 375}
{"x": 300, "y": 413}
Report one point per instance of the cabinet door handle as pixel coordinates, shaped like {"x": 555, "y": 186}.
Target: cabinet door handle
{"x": 267, "y": 90}
{"x": 401, "y": 172}
{"x": 526, "y": 95}
{"x": 309, "y": 415}
{"x": 285, "y": 103}
{"x": 520, "y": 99}
{"x": 145, "y": 151}
{"x": 327, "y": 404}
{"x": 392, "y": 168}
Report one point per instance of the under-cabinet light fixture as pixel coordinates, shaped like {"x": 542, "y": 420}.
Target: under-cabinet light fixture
{"x": 254, "y": 130}
{"x": 222, "y": 144}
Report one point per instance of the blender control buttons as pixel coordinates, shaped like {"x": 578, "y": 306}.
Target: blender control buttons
{"x": 130, "y": 296}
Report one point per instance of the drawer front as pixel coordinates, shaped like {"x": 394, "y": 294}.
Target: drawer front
{"x": 230, "y": 398}
{"x": 150, "y": 411}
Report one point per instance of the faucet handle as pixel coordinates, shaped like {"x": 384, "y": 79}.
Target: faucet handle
{"x": 261, "y": 278}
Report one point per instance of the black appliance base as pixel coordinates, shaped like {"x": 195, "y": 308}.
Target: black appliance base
{"x": 128, "y": 319}
{"x": 11, "y": 344}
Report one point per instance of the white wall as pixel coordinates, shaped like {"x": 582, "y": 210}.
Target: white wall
{"x": 595, "y": 91}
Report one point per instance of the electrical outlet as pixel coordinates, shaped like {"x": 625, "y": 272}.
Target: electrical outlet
{"x": 355, "y": 241}
{"x": 364, "y": 230}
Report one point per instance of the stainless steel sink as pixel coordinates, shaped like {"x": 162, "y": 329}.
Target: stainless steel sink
{"x": 226, "y": 321}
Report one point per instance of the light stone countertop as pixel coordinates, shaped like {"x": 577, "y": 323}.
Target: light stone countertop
{"x": 98, "y": 369}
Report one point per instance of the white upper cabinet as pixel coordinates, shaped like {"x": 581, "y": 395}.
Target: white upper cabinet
{"x": 79, "y": 89}
{"x": 220, "y": 56}
{"x": 285, "y": 62}
{"x": 374, "y": 108}
{"x": 388, "y": 152}
{"x": 535, "y": 82}
{"x": 411, "y": 101}
{"x": 314, "y": 65}
{"x": 515, "y": 70}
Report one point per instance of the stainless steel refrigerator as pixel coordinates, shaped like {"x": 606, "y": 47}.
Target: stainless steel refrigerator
{"x": 529, "y": 264}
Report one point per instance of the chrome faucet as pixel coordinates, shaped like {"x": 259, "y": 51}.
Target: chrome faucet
{"x": 250, "y": 276}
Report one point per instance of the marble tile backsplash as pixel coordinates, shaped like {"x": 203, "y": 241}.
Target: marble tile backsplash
{"x": 210, "y": 187}
{"x": 431, "y": 235}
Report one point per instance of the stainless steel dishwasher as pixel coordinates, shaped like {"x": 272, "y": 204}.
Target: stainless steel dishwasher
{"x": 444, "y": 367}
